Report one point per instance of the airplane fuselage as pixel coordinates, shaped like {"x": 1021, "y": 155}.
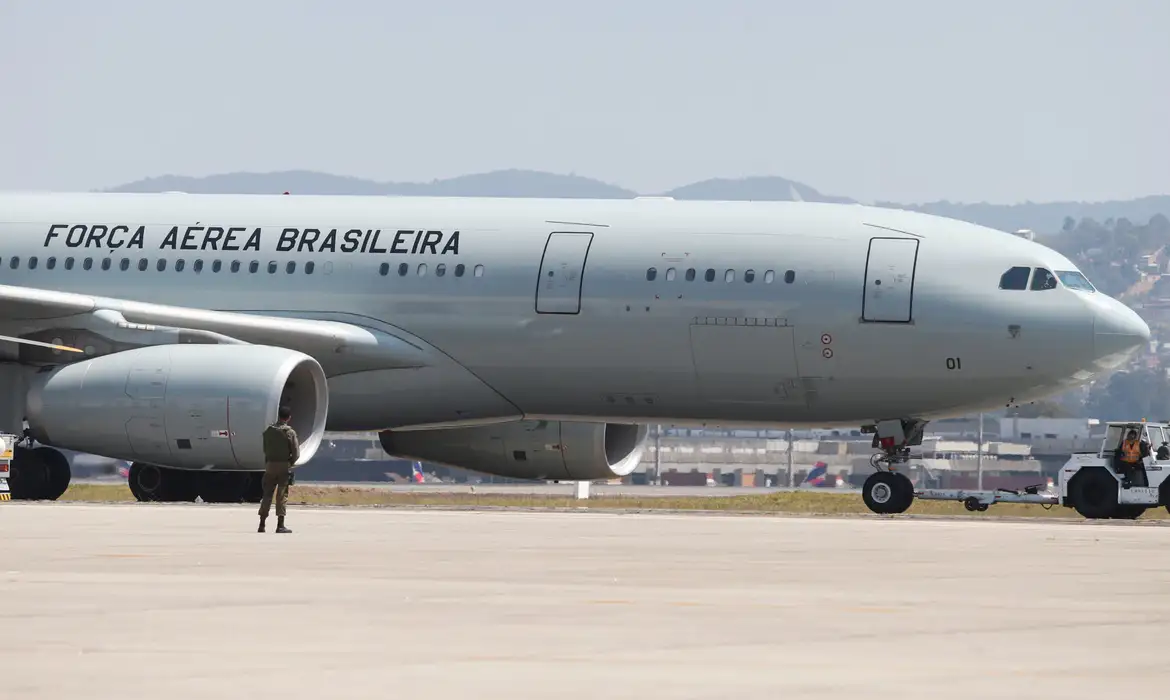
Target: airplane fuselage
{"x": 630, "y": 311}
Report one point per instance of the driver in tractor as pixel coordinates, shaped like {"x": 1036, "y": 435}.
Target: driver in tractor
{"x": 1128, "y": 456}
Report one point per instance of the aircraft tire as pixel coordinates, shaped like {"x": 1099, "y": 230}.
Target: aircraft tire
{"x": 1094, "y": 494}
{"x": 887, "y": 492}
{"x": 29, "y": 480}
{"x": 222, "y": 486}
{"x": 254, "y": 490}
{"x": 57, "y": 472}
{"x": 152, "y": 483}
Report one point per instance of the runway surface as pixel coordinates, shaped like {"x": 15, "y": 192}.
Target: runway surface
{"x": 142, "y": 601}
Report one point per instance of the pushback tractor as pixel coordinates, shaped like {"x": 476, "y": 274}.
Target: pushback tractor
{"x": 1098, "y": 485}
{"x": 7, "y": 444}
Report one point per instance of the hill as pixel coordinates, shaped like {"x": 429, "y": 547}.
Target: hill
{"x": 1040, "y": 217}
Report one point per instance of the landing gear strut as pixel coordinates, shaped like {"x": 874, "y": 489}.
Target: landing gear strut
{"x": 888, "y": 491}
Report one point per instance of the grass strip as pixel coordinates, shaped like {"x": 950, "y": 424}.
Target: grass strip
{"x": 806, "y": 503}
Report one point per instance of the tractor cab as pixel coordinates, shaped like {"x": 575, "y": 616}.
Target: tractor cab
{"x": 1153, "y": 441}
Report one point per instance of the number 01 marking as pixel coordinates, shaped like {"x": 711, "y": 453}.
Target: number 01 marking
{"x": 954, "y": 363}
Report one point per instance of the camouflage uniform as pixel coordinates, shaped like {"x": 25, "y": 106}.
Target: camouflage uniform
{"x": 281, "y": 451}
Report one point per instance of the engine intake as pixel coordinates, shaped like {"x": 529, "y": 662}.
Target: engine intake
{"x": 528, "y": 449}
{"x": 185, "y": 406}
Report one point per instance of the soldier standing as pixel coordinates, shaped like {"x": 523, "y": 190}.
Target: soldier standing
{"x": 281, "y": 452}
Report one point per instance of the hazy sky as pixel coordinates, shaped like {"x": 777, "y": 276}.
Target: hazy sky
{"x": 904, "y": 100}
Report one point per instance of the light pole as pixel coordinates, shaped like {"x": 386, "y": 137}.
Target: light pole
{"x": 979, "y": 452}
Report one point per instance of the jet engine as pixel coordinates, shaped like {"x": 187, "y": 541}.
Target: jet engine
{"x": 184, "y": 406}
{"x": 528, "y": 449}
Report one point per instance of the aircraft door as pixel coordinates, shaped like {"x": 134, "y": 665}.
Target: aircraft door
{"x": 889, "y": 280}
{"x": 558, "y": 291}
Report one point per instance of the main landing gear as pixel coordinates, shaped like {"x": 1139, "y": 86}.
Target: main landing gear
{"x": 38, "y": 474}
{"x": 887, "y": 490}
{"x": 149, "y": 482}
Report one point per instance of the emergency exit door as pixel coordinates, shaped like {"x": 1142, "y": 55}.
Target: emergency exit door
{"x": 561, "y": 270}
{"x": 889, "y": 280}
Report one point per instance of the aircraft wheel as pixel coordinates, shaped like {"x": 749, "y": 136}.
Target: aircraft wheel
{"x": 1094, "y": 494}
{"x": 29, "y": 480}
{"x": 222, "y": 486}
{"x": 57, "y": 472}
{"x": 153, "y": 483}
{"x": 254, "y": 489}
{"x": 887, "y": 492}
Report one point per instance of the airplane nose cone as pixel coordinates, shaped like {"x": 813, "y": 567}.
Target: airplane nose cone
{"x": 1117, "y": 332}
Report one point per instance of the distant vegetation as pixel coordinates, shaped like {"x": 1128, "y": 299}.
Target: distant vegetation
{"x": 1112, "y": 253}
{"x": 1042, "y": 218}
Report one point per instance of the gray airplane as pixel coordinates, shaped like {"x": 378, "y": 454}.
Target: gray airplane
{"x": 519, "y": 337}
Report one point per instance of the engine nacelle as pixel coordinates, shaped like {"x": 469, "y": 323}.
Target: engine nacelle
{"x": 528, "y": 449}
{"x": 185, "y": 406}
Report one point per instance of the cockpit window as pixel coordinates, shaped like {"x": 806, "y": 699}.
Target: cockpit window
{"x": 1015, "y": 278}
{"x": 1075, "y": 280}
{"x": 1043, "y": 279}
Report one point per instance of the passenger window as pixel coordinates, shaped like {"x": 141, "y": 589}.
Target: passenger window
{"x": 51, "y": 263}
{"x": 651, "y": 274}
{"x": 161, "y": 265}
{"x": 216, "y": 266}
{"x": 422, "y": 269}
{"x": 440, "y": 269}
{"x": 1015, "y": 278}
{"x": 271, "y": 267}
{"x": 197, "y": 266}
{"x": 68, "y": 263}
{"x": 290, "y": 267}
{"x": 790, "y": 277}
{"x": 32, "y": 263}
{"x": 106, "y": 263}
{"x": 670, "y": 275}
{"x": 142, "y": 264}
{"x": 180, "y": 264}
{"x": 309, "y": 267}
{"x": 459, "y": 270}
{"x": 1043, "y": 279}
{"x": 15, "y": 263}
{"x": 235, "y": 266}
{"x": 749, "y": 276}
{"x": 403, "y": 268}
{"x": 729, "y": 276}
{"x": 88, "y": 264}
{"x": 254, "y": 267}
{"x": 478, "y": 272}
{"x": 709, "y": 275}
{"x": 769, "y": 276}
{"x": 124, "y": 265}
{"x": 384, "y": 269}
{"x": 691, "y": 275}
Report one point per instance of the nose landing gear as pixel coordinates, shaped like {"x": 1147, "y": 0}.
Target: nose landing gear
{"x": 888, "y": 491}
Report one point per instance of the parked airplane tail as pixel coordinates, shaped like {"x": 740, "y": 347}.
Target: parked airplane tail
{"x": 816, "y": 475}
{"x": 416, "y": 472}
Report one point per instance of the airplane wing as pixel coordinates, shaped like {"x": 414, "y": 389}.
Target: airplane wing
{"x": 41, "y": 324}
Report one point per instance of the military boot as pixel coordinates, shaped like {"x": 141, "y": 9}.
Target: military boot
{"x": 261, "y": 528}
{"x": 280, "y": 525}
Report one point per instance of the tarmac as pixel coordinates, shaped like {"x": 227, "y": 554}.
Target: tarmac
{"x": 188, "y": 601}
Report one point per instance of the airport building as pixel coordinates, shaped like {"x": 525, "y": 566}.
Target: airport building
{"x": 1016, "y": 452}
